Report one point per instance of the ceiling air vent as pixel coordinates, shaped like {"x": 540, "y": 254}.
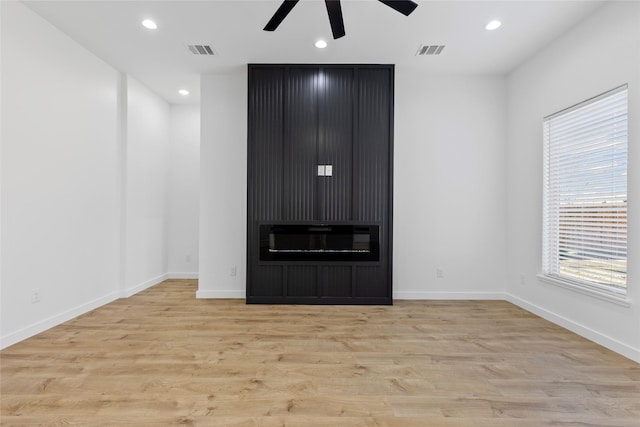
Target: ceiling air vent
{"x": 201, "y": 49}
{"x": 433, "y": 49}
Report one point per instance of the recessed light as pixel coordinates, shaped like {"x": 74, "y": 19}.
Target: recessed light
{"x": 183, "y": 92}
{"x": 321, "y": 44}
{"x": 493, "y": 25}
{"x": 148, "y": 23}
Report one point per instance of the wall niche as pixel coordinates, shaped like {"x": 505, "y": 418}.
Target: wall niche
{"x": 319, "y": 200}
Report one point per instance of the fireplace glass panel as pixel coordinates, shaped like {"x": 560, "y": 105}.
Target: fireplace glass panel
{"x": 296, "y": 242}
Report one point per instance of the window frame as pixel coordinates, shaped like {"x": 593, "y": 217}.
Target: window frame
{"x": 555, "y": 189}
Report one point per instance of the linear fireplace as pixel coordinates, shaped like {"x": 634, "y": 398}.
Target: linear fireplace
{"x": 319, "y": 242}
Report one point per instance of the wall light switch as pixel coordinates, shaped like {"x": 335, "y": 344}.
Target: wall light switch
{"x": 321, "y": 170}
{"x": 328, "y": 170}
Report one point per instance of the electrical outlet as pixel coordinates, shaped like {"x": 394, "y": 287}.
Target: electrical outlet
{"x": 187, "y": 258}
{"x": 35, "y": 295}
{"x": 439, "y": 273}
{"x": 522, "y": 279}
{"x": 233, "y": 270}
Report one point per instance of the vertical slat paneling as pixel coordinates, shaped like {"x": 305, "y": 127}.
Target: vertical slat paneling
{"x": 300, "y": 145}
{"x": 372, "y": 147}
{"x": 335, "y": 142}
{"x": 267, "y": 281}
{"x": 372, "y": 282}
{"x": 264, "y": 181}
{"x": 266, "y": 140}
{"x": 372, "y": 166}
{"x": 302, "y": 281}
{"x": 337, "y": 281}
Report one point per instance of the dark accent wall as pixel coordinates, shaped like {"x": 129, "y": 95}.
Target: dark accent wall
{"x": 301, "y": 116}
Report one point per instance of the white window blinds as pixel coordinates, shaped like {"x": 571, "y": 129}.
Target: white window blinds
{"x": 585, "y": 193}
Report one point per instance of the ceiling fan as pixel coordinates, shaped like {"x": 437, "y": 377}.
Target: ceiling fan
{"x": 335, "y": 13}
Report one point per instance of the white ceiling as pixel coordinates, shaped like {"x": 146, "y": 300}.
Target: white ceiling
{"x": 375, "y": 34}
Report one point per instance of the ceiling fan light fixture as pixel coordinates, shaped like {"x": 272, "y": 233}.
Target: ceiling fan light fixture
{"x": 321, "y": 44}
{"x": 149, "y": 24}
{"x": 493, "y": 25}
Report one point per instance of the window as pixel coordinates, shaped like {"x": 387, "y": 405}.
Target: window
{"x": 585, "y": 194}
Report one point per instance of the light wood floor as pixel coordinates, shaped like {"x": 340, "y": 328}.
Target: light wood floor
{"x": 164, "y": 358}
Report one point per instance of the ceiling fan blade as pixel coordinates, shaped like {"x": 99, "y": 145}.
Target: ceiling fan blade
{"x": 405, "y": 7}
{"x": 335, "y": 18}
{"x": 280, "y": 14}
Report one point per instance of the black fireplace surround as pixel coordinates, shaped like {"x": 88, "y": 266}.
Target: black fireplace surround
{"x": 319, "y": 242}
{"x": 319, "y": 184}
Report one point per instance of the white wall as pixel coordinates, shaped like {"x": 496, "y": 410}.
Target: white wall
{"x": 223, "y": 185}
{"x": 59, "y": 176}
{"x": 601, "y": 53}
{"x": 450, "y": 160}
{"x": 147, "y": 150}
{"x": 184, "y": 191}
{"x": 85, "y": 156}
{"x": 449, "y": 186}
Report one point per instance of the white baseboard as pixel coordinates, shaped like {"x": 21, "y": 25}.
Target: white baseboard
{"x": 144, "y": 285}
{"x": 418, "y": 295}
{"x": 204, "y": 294}
{"x": 182, "y": 275}
{"x": 48, "y": 323}
{"x": 597, "y": 337}
{"x": 43, "y": 325}
{"x": 608, "y": 342}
